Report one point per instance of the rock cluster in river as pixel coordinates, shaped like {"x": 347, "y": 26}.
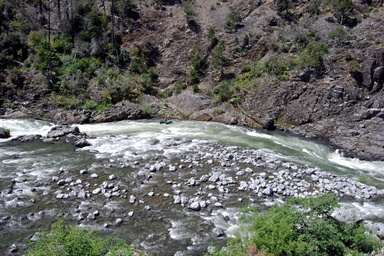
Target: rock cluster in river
{"x": 60, "y": 133}
{"x": 204, "y": 179}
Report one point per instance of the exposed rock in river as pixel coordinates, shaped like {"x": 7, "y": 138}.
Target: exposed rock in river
{"x": 4, "y": 133}
{"x": 66, "y": 133}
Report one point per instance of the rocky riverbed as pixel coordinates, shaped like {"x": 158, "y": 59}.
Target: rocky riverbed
{"x": 179, "y": 198}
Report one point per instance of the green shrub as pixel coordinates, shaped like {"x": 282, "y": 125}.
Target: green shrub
{"x": 284, "y": 76}
{"x": 340, "y": 7}
{"x": 138, "y": 64}
{"x": 189, "y": 10}
{"x": 225, "y": 90}
{"x": 123, "y": 7}
{"x": 283, "y": 6}
{"x": 62, "y": 44}
{"x": 16, "y": 76}
{"x": 194, "y": 76}
{"x": 196, "y": 57}
{"x": 233, "y": 20}
{"x": 218, "y": 58}
{"x": 213, "y": 41}
{"x": 246, "y": 69}
{"x": 338, "y": 33}
{"x": 178, "y": 87}
{"x": 353, "y": 65}
{"x": 82, "y": 66}
{"x": 312, "y": 56}
{"x": 64, "y": 240}
{"x": 97, "y": 22}
{"x": 83, "y": 8}
{"x": 46, "y": 58}
{"x": 195, "y": 88}
{"x": 300, "y": 227}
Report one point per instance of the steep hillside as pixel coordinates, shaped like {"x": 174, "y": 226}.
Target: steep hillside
{"x": 313, "y": 68}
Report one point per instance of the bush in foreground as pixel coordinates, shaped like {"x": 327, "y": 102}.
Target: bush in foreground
{"x": 64, "y": 240}
{"x": 299, "y": 227}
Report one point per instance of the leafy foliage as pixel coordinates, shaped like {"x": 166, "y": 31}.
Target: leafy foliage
{"x": 300, "y": 227}
{"x": 283, "y": 6}
{"x": 188, "y": 9}
{"x": 313, "y": 55}
{"x": 226, "y": 90}
{"x": 340, "y": 7}
{"x": 218, "y": 58}
{"x": 233, "y": 20}
{"x": 212, "y": 39}
{"x": 64, "y": 240}
{"x": 196, "y": 58}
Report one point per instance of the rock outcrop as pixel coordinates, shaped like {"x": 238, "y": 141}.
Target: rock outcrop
{"x": 4, "y": 133}
{"x": 59, "y": 134}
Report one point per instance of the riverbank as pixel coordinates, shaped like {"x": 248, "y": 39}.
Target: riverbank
{"x": 356, "y": 131}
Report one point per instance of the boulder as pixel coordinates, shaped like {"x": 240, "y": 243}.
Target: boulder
{"x": 218, "y": 232}
{"x": 4, "y": 133}
{"x": 73, "y": 117}
{"x": 121, "y": 111}
{"x": 25, "y": 138}
{"x": 63, "y": 130}
{"x": 268, "y": 124}
{"x": 195, "y": 206}
{"x": 82, "y": 143}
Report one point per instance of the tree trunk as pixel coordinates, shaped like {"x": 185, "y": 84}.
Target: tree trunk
{"x": 103, "y": 5}
{"x": 41, "y": 7}
{"x": 59, "y": 11}
{"x": 49, "y": 22}
{"x": 66, "y": 10}
{"x": 113, "y": 22}
{"x": 71, "y": 7}
{"x": 40, "y": 16}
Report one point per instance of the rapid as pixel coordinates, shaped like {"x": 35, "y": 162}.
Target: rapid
{"x": 168, "y": 188}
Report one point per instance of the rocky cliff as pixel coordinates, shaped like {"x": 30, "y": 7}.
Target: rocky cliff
{"x": 313, "y": 68}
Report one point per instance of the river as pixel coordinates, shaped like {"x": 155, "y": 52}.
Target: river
{"x": 168, "y": 188}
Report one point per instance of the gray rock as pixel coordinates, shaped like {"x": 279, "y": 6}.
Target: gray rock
{"x": 62, "y": 130}
{"x": 268, "y": 191}
{"x": 61, "y": 183}
{"x": 218, "y": 232}
{"x": 81, "y": 143}
{"x": 195, "y": 206}
{"x": 96, "y": 191}
{"x": 83, "y": 171}
{"x": 172, "y": 168}
{"x": 132, "y": 199}
{"x": 4, "y": 133}
{"x": 215, "y": 177}
{"x": 243, "y": 185}
{"x": 118, "y": 221}
{"x": 112, "y": 177}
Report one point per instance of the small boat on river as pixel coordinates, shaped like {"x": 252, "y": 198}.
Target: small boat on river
{"x": 166, "y": 121}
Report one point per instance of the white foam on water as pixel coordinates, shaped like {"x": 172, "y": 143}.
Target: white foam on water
{"x": 354, "y": 211}
{"x": 19, "y": 127}
{"x": 354, "y": 163}
{"x": 259, "y": 135}
{"x": 179, "y": 230}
